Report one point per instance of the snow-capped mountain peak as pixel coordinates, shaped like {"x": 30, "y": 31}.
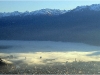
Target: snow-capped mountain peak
{"x": 37, "y": 12}
{"x": 49, "y": 12}
{"x": 94, "y": 7}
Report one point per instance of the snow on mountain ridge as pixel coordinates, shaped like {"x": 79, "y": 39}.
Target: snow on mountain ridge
{"x": 37, "y": 12}
{"x": 47, "y": 11}
{"x": 94, "y": 7}
{"x": 15, "y": 13}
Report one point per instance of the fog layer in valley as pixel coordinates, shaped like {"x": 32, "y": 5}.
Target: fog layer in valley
{"x": 41, "y": 52}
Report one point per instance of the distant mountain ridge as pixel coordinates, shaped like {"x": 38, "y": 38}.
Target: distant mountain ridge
{"x": 47, "y": 11}
{"x": 37, "y": 12}
{"x": 81, "y": 24}
{"x": 93, "y": 7}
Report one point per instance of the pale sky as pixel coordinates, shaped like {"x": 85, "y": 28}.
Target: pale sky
{"x": 32, "y": 5}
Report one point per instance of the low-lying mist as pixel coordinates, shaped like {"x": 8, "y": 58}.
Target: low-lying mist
{"x": 48, "y": 57}
{"x": 42, "y": 52}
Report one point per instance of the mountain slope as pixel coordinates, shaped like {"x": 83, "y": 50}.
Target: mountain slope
{"x": 73, "y": 26}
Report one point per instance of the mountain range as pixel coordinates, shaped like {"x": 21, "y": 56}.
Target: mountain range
{"x": 47, "y": 11}
{"x": 81, "y": 24}
{"x": 37, "y": 12}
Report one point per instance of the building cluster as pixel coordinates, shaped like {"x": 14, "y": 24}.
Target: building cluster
{"x": 55, "y": 68}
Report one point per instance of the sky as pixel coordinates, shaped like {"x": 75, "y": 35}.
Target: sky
{"x": 32, "y": 5}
